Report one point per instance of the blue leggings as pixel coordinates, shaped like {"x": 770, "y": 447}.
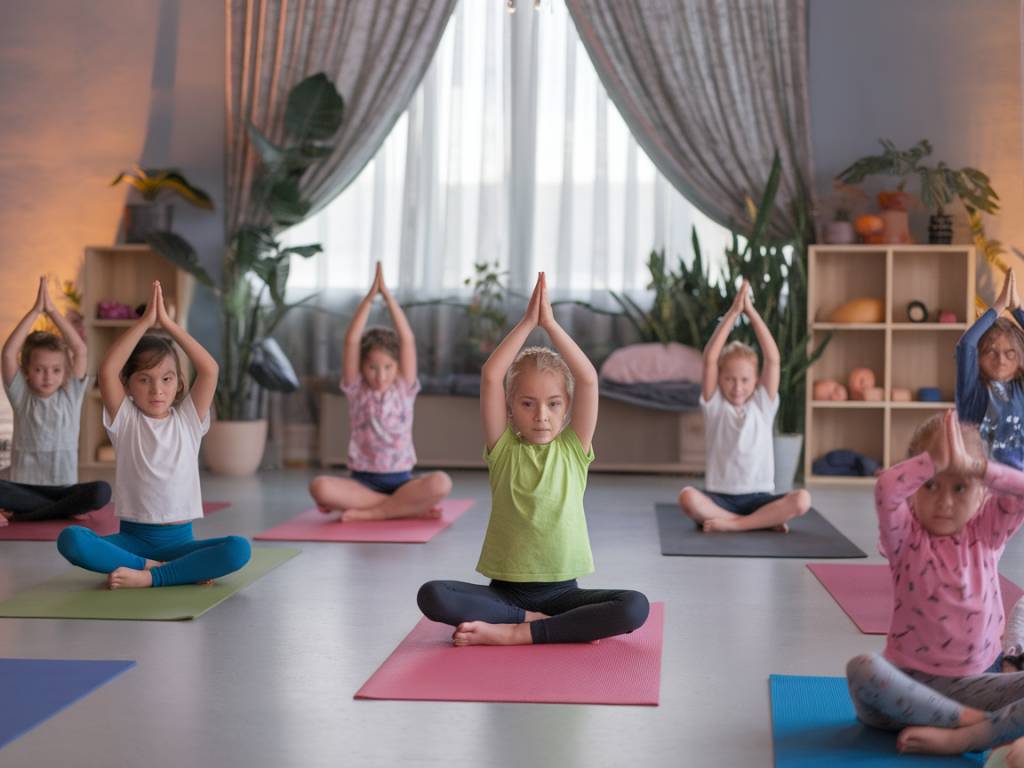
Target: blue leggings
{"x": 185, "y": 560}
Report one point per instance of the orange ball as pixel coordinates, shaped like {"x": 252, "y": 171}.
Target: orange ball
{"x": 868, "y": 225}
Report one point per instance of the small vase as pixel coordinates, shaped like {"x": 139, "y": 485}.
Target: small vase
{"x": 142, "y": 219}
{"x": 839, "y": 233}
{"x": 940, "y": 229}
{"x": 897, "y": 226}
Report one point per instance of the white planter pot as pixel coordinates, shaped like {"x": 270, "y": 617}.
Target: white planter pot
{"x": 235, "y": 447}
{"x": 840, "y": 233}
{"x": 787, "y": 460}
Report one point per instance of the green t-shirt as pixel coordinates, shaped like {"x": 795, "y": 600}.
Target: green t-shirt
{"x": 537, "y": 530}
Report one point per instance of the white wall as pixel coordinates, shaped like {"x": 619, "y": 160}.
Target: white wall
{"x": 945, "y": 70}
{"x": 86, "y": 89}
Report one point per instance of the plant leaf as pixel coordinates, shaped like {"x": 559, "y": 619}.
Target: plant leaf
{"x": 179, "y": 252}
{"x": 314, "y": 110}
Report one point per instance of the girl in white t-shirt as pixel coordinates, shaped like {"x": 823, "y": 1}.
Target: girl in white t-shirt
{"x": 739, "y": 407}
{"x": 156, "y": 429}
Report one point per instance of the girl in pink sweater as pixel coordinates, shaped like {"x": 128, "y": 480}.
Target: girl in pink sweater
{"x": 944, "y": 517}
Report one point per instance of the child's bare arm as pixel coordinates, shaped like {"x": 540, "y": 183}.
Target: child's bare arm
{"x": 585, "y": 397}
{"x": 493, "y": 408}
{"x": 407, "y": 364}
{"x": 207, "y": 370}
{"x": 772, "y": 364}
{"x": 76, "y": 344}
{"x": 9, "y": 355}
{"x": 713, "y": 348}
{"x": 350, "y": 359}
{"x": 109, "y": 375}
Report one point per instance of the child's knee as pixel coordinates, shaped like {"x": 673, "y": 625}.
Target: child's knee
{"x": 430, "y": 599}
{"x": 440, "y": 484}
{"x": 801, "y": 501}
{"x": 71, "y": 543}
{"x": 100, "y": 494}
{"x": 318, "y": 488}
{"x": 635, "y": 610}
{"x": 688, "y": 498}
{"x": 237, "y": 552}
{"x": 860, "y": 669}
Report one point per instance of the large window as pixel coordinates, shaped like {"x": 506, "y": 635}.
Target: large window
{"x": 511, "y": 152}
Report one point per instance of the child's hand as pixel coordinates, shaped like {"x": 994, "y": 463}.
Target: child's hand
{"x": 740, "y": 301}
{"x": 378, "y": 282}
{"x": 546, "y": 316}
{"x": 1013, "y": 301}
{"x": 748, "y": 304}
{"x": 42, "y": 296}
{"x": 162, "y": 316}
{"x": 1003, "y": 299}
{"x": 950, "y": 454}
{"x": 381, "y": 285}
{"x": 152, "y": 314}
{"x": 532, "y": 316}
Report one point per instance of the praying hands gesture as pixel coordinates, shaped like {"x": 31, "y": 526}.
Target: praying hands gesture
{"x": 1008, "y": 297}
{"x": 949, "y": 454}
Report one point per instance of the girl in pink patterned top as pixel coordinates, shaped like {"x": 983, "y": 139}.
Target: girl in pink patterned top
{"x": 379, "y": 379}
{"x": 944, "y": 517}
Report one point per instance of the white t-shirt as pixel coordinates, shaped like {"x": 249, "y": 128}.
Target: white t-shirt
{"x": 45, "y": 446}
{"x": 738, "y": 443}
{"x": 156, "y": 478}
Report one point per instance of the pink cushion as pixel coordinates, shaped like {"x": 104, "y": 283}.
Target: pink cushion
{"x": 645, "y": 363}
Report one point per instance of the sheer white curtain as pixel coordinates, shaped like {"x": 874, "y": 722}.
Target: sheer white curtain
{"x": 510, "y": 152}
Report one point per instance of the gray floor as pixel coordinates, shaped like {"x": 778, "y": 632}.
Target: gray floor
{"x": 267, "y": 678}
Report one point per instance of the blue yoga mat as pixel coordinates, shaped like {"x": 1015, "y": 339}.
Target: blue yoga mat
{"x": 814, "y": 725}
{"x": 34, "y": 690}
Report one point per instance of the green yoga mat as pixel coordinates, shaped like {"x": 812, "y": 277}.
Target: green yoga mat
{"x": 81, "y": 594}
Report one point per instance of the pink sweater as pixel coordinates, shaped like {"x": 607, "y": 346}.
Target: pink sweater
{"x": 947, "y": 614}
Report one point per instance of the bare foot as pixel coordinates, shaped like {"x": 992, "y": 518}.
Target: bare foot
{"x": 434, "y": 513}
{"x": 3, "y": 521}
{"x": 128, "y": 578}
{"x": 482, "y": 633}
{"x": 357, "y": 515}
{"x": 719, "y": 525}
{"x": 151, "y": 564}
{"x": 1015, "y": 754}
{"x": 323, "y": 509}
{"x": 782, "y": 528}
{"x": 534, "y": 616}
{"x": 205, "y": 583}
{"x": 929, "y": 740}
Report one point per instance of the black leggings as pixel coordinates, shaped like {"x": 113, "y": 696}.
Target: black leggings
{"x": 51, "y": 502}
{"x": 577, "y": 615}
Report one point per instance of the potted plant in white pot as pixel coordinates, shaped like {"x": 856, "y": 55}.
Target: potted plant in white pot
{"x": 255, "y": 276}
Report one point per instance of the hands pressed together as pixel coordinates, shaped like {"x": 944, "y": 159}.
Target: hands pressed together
{"x": 950, "y": 454}
{"x": 1008, "y": 297}
{"x": 538, "y": 311}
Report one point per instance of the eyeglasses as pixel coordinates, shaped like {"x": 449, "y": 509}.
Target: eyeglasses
{"x": 994, "y": 354}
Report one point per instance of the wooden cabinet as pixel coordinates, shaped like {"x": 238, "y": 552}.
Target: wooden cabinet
{"x": 902, "y": 354}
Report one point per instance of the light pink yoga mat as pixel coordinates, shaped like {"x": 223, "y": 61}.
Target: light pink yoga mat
{"x": 864, "y": 592}
{"x": 617, "y": 670}
{"x": 102, "y": 521}
{"x": 314, "y": 525}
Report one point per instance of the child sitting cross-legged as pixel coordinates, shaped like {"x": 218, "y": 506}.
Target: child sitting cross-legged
{"x": 739, "y": 407}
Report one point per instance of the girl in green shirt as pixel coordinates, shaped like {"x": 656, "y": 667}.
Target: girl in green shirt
{"x": 539, "y": 412}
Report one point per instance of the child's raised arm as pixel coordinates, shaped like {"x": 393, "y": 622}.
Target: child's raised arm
{"x": 772, "y": 364}
{"x": 493, "y": 408}
{"x": 9, "y": 355}
{"x": 585, "y": 396}
{"x": 111, "y": 389}
{"x": 713, "y": 348}
{"x": 406, "y": 338}
{"x": 350, "y": 358}
{"x": 205, "y": 386}
{"x": 79, "y": 353}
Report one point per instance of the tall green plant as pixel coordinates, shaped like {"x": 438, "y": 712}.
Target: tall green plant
{"x": 256, "y": 267}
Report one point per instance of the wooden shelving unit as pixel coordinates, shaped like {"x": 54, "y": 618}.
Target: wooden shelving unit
{"x": 901, "y": 353}
{"x": 123, "y": 273}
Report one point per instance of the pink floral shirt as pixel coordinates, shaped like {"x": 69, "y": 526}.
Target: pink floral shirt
{"x": 948, "y": 609}
{"x": 381, "y": 426}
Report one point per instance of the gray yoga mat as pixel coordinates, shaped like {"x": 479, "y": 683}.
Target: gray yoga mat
{"x": 810, "y": 535}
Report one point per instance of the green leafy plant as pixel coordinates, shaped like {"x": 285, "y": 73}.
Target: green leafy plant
{"x": 256, "y": 266}
{"x": 689, "y": 300}
{"x": 151, "y": 182}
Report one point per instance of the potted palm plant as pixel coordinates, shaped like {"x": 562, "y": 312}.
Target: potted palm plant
{"x": 141, "y": 219}
{"x": 255, "y": 276}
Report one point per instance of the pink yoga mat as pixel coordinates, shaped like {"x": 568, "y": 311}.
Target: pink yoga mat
{"x": 102, "y": 521}
{"x": 864, "y": 592}
{"x": 314, "y": 525}
{"x": 617, "y": 670}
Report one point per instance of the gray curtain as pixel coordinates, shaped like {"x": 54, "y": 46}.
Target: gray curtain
{"x": 375, "y": 51}
{"x": 709, "y": 88}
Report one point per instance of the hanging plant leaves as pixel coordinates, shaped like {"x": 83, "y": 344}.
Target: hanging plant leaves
{"x": 179, "y": 252}
{"x": 285, "y": 203}
{"x": 314, "y": 110}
